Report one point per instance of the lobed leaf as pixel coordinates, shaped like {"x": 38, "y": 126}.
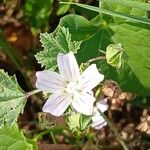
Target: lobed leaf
{"x": 54, "y": 43}
{"x": 12, "y": 99}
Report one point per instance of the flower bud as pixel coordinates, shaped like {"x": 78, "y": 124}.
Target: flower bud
{"x": 114, "y": 55}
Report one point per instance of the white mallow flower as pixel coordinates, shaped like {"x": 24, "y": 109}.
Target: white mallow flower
{"x": 97, "y": 120}
{"x": 69, "y": 87}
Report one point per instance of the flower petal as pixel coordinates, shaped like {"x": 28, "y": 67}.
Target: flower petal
{"x": 49, "y": 81}
{"x": 57, "y": 104}
{"x": 84, "y": 103}
{"x": 102, "y": 105}
{"x": 98, "y": 122}
{"x": 68, "y": 66}
{"x": 91, "y": 78}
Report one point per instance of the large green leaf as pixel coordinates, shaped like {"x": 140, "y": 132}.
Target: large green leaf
{"x": 12, "y": 99}
{"x": 79, "y": 27}
{"x": 129, "y": 82}
{"x": 135, "y": 40}
{"x": 108, "y": 71}
{"x": 91, "y": 47}
{"x": 54, "y": 43}
{"x": 128, "y": 7}
{"x": 94, "y": 38}
{"x": 13, "y": 139}
{"x": 123, "y": 16}
{"x": 140, "y": 4}
{"x": 134, "y": 75}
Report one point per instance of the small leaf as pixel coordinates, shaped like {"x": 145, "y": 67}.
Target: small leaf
{"x": 12, "y": 99}
{"x": 13, "y": 139}
{"x": 85, "y": 122}
{"x": 74, "y": 121}
{"x": 54, "y": 43}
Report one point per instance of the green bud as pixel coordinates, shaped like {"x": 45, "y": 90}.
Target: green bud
{"x": 114, "y": 55}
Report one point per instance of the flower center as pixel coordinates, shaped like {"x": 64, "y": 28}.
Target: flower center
{"x": 72, "y": 88}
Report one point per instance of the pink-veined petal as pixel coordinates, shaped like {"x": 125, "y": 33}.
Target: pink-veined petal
{"x": 102, "y": 105}
{"x": 50, "y": 81}
{"x": 91, "y": 78}
{"x": 57, "y": 104}
{"x": 68, "y": 66}
{"x": 84, "y": 103}
{"x": 98, "y": 122}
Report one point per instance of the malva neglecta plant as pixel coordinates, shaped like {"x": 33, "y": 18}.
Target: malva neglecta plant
{"x": 77, "y": 59}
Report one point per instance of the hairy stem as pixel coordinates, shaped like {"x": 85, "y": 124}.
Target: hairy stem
{"x": 32, "y": 92}
{"x": 96, "y": 59}
{"x": 115, "y": 130}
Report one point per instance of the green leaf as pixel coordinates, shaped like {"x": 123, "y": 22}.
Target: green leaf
{"x": 95, "y": 38}
{"x": 47, "y": 58}
{"x": 13, "y": 139}
{"x": 135, "y": 40}
{"x": 129, "y": 82}
{"x": 74, "y": 121}
{"x": 131, "y": 8}
{"x": 91, "y": 47}
{"x": 38, "y": 12}
{"x": 78, "y": 122}
{"x": 85, "y": 122}
{"x": 140, "y": 4}
{"x": 121, "y": 15}
{"x": 79, "y": 27}
{"x": 63, "y": 8}
{"x": 109, "y": 71}
{"x": 54, "y": 43}
{"x": 12, "y": 99}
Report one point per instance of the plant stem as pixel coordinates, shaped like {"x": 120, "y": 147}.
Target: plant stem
{"x": 96, "y": 59}
{"x": 32, "y": 92}
{"x": 78, "y": 140}
{"x": 115, "y": 130}
{"x": 53, "y": 138}
{"x": 40, "y": 135}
